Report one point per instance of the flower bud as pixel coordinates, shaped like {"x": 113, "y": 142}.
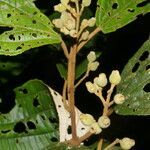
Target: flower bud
{"x": 127, "y": 143}
{"x": 86, "y": 3}
{"x": 60, "y": 8}
{"x": 95, "y": 128}
{"x": 93, "y": 66}
{"x": 115, "y": 77}
{"x": 85, "y": 35}
{"x": 70, "y": 24}
{"x": 64, "y": 2}
{"x": 73, "y": 33}
{"x": 91, "y": 56}
{"x": 90, "y": 87}
{"x": 87, "y": 119}
{"x": 58, "y": 23}
{"x": 64, "y": 30}
{"x": 84, "y": 23}
{"x": 104, "y": 122}
{"x": 119, "y": 99}
{"x": 91, "y": 22}
{"x": 101, "y": 81}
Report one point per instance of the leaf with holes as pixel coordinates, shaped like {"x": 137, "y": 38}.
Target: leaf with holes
{"x": 33, "y": 122}
{"x": 136, "y": 84}
{"x": 114, "y": 14}
{"x": 30, "y": 28}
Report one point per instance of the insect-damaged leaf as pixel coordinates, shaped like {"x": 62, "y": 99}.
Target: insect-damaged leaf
{"x": 136, "y": 84}
{"x": 114, "y": 14}
{"x": 33, "y": 122}
{"x": 30, "y": 28}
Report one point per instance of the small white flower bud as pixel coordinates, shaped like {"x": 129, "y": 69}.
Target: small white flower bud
{"x": 86, "y": 3}
{"x": 73, "y": 33}
{"x": 93, "y": 66}
{"x": 95, "y": 128}
{"x": 91, "y": 87}
{"x": 91, "y": 56}
{"x": 91, "y": 22}
{"x": 115, "y": 77}
{"x": 84, "y": 23}
{"x": 104, "y": 122}
{"x": 58, "y": 23}
{"x": 119, "y": 99}
{"x": 60, "y": 8}
{"x": 87, "y": 119}
{"x": 70, "y": 24}
{"x": 101, "y": 80}
{"x": 85, "y": 35}
{"x": 127, "y": 143}
{"x": 64, "y": 30}
{"x": 64, "y": 2}
{"x": 74, "y": 0}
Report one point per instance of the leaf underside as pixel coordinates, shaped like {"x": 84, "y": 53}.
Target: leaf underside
{"x": 136, "y": 84}
{"x": 28, "y": 27}
{"x": 114, "y": 14}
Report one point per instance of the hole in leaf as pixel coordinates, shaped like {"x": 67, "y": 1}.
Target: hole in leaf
{"x": 24, "y": 91}
{"x": 53, "y": 120}
{"x": 36, "y": 102}
{"x": 34, "y": 21}
{"x": 136, "y": 66}
{"x": 18, "y": 48}
{"x": 69, "y": 131}
{"x": 82, "y": 128}
{"x": 142, "y": 4}
{"x": 35, "y": 13}
{"x": 131, "y": 10}
{"x": 147, "y": 67}
{"x": 31, "y": 125}
{"x": 12, "y": 37}
{"x": 109, "y": 14}
{"x": 34, "y": 35}
{"x": 144, "y": 56}
{"x": 59, "y": 106}
{"x": 53, "y": 139}
{"x": 43, "y": 117}
{"x": 115, "y": 5}
{"x": 5, "y": 131}
{"x": 147, "y": 88}
{"x": 8, "y": 15}
{"x": 19, "y": 127}
{"x": 19, "y": 37}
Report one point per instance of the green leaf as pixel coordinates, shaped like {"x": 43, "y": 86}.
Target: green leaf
{"x": 33, "y": 122}
{"x": 136, "y": 84}
{"x": 31, "y": 28}
{"x": 114, "y": 14}
{"x": 62, "y": 68}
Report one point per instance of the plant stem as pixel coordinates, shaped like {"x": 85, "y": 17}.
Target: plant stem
{"x": 82, "y": 79}
{"x": 92, "y": 34}
{"x": 112, "y": 144}
{"x": 78, "y": 16}
{"x": 64, "y": 96}
{"x": 64, "y": 47}
{"x": 100, "y": 144}
{"x": 71, "y": 91}
{"x": 109, "y": 93}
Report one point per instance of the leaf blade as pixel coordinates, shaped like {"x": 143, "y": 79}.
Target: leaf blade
{"x": 112, "y": 15}
{"x": 31, "y": 28}
{"x": 135, "y": 79}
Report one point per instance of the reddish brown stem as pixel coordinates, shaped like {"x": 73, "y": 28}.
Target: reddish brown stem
{"x": 71, "y": 90}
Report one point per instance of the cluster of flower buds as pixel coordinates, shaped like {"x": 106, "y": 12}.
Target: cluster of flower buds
{"x": 126, "y": 143}
{"x": 92, "y": 64}
{"x": 68, "y": 20}
{"x": 96, "y": 127}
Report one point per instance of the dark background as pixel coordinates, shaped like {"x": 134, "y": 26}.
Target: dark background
{"x": 117, "y": 48}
